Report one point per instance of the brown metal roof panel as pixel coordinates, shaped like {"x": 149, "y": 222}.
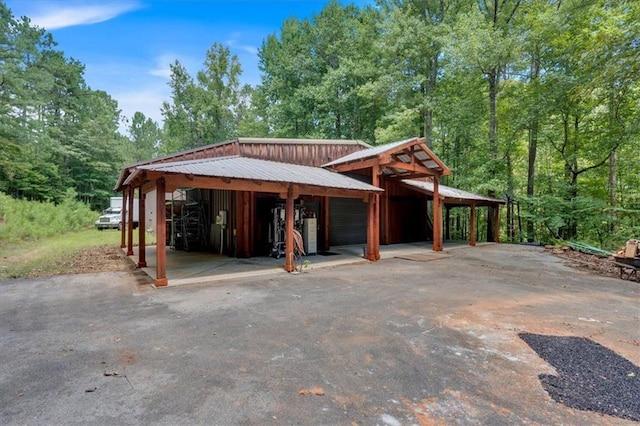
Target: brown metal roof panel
{"x": 256, "y": 169}
{"x": 368, "y": 153}
{"x": 449, "y": 192}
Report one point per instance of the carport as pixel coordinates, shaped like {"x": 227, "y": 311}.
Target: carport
{"x": 243, "y": 175}
{"x": 453, "y": 197}
{"x": 388, "y": 165}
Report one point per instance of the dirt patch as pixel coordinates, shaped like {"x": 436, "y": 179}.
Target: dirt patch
{"x": 598, "y": 265}
{"x": 99, "y": 259}
{"x": 89, "y": 260}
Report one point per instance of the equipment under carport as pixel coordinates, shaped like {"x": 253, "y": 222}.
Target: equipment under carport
{"x": 191, "y": 227}
{"x": 277, "y": 227}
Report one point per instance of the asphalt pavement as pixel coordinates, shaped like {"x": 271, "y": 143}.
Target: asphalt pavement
{"x": 433, "y": 340}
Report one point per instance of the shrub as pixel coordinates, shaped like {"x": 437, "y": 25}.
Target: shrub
{"x": 22, "y": 220}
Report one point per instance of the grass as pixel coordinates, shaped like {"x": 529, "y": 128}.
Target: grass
{"x": 57, "y": 254}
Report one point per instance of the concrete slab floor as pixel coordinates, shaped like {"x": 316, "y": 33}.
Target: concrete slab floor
{"x": 394, "y": 342}
{"x": 202, "y": 267}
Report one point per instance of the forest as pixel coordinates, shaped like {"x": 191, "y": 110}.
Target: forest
{"x": 533, "y": 101}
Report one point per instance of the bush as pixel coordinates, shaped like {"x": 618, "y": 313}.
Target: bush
{"x": 23, "y": 220}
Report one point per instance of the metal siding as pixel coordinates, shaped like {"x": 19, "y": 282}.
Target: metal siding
{"x": 347, "y": 221}
{"x": 220, "y": 200}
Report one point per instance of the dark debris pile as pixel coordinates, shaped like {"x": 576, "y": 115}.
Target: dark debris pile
{"x": 590, "y": 376}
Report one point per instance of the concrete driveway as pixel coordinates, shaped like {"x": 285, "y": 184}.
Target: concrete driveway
{"x": 393, "y": 342}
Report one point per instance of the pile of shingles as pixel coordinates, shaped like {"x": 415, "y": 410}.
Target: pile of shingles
{"x": 589, "y": 376}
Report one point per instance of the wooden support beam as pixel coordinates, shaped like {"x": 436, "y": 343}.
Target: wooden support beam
{"x": 384, "y": 212}
{"x": 130, "y": 221}
{"x": 356, "y": 165}
{"x": 123, "y": 219}
{"x": 325, "y": 220}
{"x": 496, "y": 224}
{"x": 243, "y": 211}
{"x": 437, "y": 215}
{"x": 142, "y": 232}
{"x": 371, "y": 217}
{"x": 251, "y": 223}
{"x": 411, "y": 167}
{"x": 289, "y": 218}
{"x": 161, "y": 234}
{"x": 375, "y": 181}
{"x": 472, "y": 234}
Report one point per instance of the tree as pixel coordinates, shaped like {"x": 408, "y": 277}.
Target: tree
{"x": 317, "y": 75}
{"x": 145, "y": 137}
{"x": 203, "y": 111}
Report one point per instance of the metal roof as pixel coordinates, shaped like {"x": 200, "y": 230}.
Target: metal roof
{"x": 235, "y": 167}
{"x": 454, "y": 194}
{"x": 417, "y": 151}
{"x": 203, "y": 150}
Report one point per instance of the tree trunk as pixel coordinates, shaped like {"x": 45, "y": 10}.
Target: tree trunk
{"x": 493, "y": 77}
{"x": 533, "y": 147}
{"x": 613, "y": 196}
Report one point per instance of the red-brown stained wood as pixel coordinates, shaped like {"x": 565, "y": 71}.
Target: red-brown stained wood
{"x": 437, "y": 216}
{"x": 243, "y": 224}
{"x": 375, "y": 181}
{"x": 303, "y": 153}
{"x": 371, "y": 217}
{"x": 325, "y": 220}
{"x": 123, "y": 219}
{"x": 289, "y": 218}
{"x": 161, "y": 234}
{"x": 142, "y": 255}
{"x": 130, "y": 221}
{"x": 252, "y": 222}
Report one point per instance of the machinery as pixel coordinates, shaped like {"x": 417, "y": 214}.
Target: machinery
{"x": 277, "y": 227}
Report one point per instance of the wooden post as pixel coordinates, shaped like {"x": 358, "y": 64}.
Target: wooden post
{"x": 325, "y": 220}
{"x": 496, "y": 224}
{"x": 161, "y": 234}
{"x": 123, "y": 219}
{"x": 251, "y": 224}
{"x": 371, "y": 217}
{"x": 130, "y": 222}
{"x": 289, "y": 218}
{"x": 242, "y": 223}
{"x": 142, "y": 255}
{"x": 384, "y": 212}
{"x": 472, "y": 234}
{"x": 437, "y": 215}
{"x": 375, "y": 181}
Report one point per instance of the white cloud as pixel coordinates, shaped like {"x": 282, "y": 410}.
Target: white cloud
{"x": 59, "y": 16}
{"x": 232, "y": 43}
{"x": 162, "y": 68}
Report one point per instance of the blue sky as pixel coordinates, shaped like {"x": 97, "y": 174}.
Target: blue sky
{"x": 127, "y": 45}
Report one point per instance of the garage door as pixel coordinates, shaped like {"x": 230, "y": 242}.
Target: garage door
{"x": 347, "y": 221}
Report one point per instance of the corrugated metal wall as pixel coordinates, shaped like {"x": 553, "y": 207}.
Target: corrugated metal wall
{"x": 216, "y": 201}
{"x": 347, "y": 221}
{"x": 306, "y": 154}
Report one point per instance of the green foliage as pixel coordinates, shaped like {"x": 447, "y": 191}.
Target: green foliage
{"x": 58, "y": 133}
{"x": 23, "y": 220}
{"x": 534, "y": 99}
{"x": 205, "y": 110}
